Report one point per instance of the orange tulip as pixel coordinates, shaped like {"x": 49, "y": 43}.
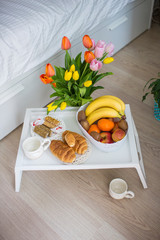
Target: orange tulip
{"x": 65, "y": 43}
{"x": 89, "y": 56}
{"x": 54, "y": 84}
{"x": 87, "y": 42}
{"x": 45, "y": 79}
{"x": 49, "y": 70}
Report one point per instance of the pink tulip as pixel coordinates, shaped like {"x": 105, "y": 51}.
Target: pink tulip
{"x": 109, "y": 49}
{"x": 98, "y": 52}
{"x": 93, "y": 45}
{"x": 101, "y": 44}
{"x": 95, "y": 65}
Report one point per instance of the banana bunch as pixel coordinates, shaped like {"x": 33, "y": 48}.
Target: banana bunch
{"x": 105, "y": 106}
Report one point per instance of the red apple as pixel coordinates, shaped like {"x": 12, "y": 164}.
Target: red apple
{"x": 106, "y": 137}
{"x": 118, "y": 134}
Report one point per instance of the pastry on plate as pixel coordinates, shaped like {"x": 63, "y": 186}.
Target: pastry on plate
{"x": 70, "y": 139}
{"x": 62, "y": 151}
{"x": 43, "y": 131}
{"x": 80, "y": 146}
{"x": 51, "y": 122}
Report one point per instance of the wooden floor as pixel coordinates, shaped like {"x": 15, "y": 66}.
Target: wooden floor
{"x": 75, "y": 205}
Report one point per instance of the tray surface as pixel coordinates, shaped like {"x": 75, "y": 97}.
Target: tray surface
{"x": 123, "y": 157}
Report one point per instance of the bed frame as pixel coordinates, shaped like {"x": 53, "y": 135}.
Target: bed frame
{"x": 28, "y": 91}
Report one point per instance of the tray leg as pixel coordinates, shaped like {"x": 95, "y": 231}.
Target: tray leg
{"x": 139, "y": 167}
{"x": 18, "y": 177}
{"x": 141, "y": 175}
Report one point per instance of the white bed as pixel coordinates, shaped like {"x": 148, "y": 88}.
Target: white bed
{"x": 30, "y": 36}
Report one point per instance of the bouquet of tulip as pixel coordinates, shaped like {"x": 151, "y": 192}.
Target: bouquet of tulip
{"x": 74, "y": 84}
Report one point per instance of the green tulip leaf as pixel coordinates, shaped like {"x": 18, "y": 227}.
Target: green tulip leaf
{"x": 67, "y": 60}
{"x": 78, "y": 60}
{"x": 70, "y": 85}
{"x": 62, "y": 72}
{"x": 100, "y": 76}
{"x": 82, "y": 91}
{"x": 85, "y": 78}
{"x": 86, "y": 100}
{"x": 91, "y": 89}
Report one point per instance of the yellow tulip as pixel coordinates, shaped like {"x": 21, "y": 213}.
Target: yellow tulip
{"x": 88, "y": 83}
{"x": 108, "y": 60}
{"x": 67, "y": 75}
{"x": 50, "y": 107}
{"x": 76, "y": 75}
{"x": 72, "y": 68}
{"x": 63, "y": 105}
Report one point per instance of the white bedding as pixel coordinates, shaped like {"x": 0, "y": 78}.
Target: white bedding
{"x": 31, "y": 30}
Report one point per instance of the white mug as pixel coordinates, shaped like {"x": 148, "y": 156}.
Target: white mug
{"x": 34, "y": 147}
{"x": 118, "y": 189}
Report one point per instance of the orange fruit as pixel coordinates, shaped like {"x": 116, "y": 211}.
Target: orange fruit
{"x": 105, "y": 124}
{"x": 94, "y": 128}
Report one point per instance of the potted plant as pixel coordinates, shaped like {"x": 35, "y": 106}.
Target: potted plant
{"x": 74, "y": 84}
{"x": 153, "y": 87}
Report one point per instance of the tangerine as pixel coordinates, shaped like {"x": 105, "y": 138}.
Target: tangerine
{"x": 105, "y": 124}
{"x": 94, "y": 128}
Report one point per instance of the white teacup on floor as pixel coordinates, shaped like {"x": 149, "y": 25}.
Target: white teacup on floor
{"x": 118, "y": 189}
{"x": 34, "y": 147}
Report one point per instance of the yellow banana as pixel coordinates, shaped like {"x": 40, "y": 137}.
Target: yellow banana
{"x": 104, "y": 112}
{"x": 104, "y": 102}
{"x": 123, "y": 106}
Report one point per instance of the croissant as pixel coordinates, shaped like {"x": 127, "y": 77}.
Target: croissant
{"x": 80, "y": 146}
{"x": 70, "y": 139}
{"x": 62, "y": 151}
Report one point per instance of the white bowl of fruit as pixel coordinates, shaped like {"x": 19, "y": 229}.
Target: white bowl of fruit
{"x": 104, "y": 123}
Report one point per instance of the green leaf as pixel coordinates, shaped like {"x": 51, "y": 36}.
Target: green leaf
{"x": 94, "y": 73}
{"x": 152, "y": 84}
{"x": 76, "y": 89}
{"x": 156, "y": 87}
{"x": 48, "y": 111}
{"x": 82, "y": 91}
{"x": 78, "y": 60}
{"x": 58, "y": 73}
{"x": 70, "y": 85}
{"x": 67, "y": 60}
{"x": 60, "y": 91}
{"x": 55, "y": 94}
{"x": 100, "y": 76}
{"x": 58, "y": 101}
{"x": 54, "y": 77}
{"x": 144, "y": 97}
{"x": 85, "y": 100}
{"x": 62, "y": 72}
{"x": 83, "y": 64}
{"x": 148, "y": 82}
{"x": 95, "y": 88}
{"x": 85, "y": 78}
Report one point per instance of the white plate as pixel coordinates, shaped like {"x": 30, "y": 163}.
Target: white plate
{"x": 79, "y": 158}
{"x": 56, "y": 132}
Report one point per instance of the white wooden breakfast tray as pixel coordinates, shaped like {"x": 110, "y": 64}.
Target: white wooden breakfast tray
{"x": 128, "y": 156}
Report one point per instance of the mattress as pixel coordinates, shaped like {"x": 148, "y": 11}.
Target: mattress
{"x": 31, "y": 30}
